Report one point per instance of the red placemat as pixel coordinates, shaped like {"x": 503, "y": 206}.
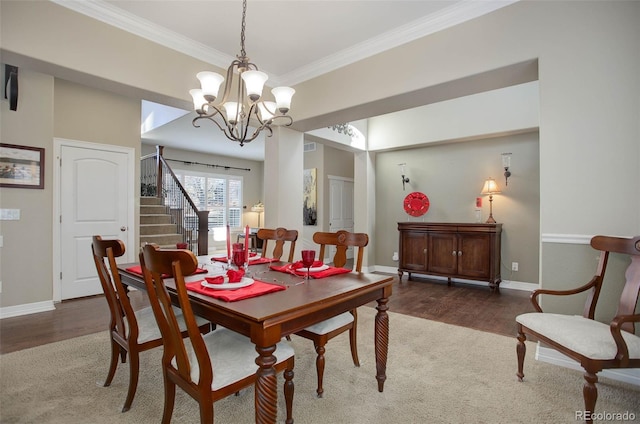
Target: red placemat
{"x": 258, "y": 288}
{"x": 288, "y": 268}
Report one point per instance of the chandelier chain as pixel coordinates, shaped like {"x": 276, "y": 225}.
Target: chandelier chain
{"x": 243, "y": 53}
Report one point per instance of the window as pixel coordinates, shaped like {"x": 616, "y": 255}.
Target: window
{"x": 221, "y": 195}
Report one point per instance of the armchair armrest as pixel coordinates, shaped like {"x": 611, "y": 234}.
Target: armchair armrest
{"x": 594, "y": 283}
{"x": 617, "y": 326}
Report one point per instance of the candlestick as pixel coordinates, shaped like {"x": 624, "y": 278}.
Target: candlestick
{"x": 228, "y": 245}
{"x": 246, "y": 244}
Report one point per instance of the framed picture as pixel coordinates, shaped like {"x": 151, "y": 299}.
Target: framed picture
{"x": 310, "y": 207}
{"x": 21, "y": 166}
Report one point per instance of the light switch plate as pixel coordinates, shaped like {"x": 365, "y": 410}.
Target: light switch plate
{"x": 10, "y": 214}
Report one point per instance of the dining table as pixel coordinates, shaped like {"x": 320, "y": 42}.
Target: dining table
{"x": 268, "y": 318}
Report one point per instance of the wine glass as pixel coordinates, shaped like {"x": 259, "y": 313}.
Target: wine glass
{"x": 239, "y": 257}
{"x": 308, "y": 256}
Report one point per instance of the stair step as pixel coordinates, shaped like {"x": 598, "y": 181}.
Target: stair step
{"x": 163, "y": 228}
{"x": 151, "y": 201}
{"x": 154, "y": 219}
{"x": 153, "y": 209}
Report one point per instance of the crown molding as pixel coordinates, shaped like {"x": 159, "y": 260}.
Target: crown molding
{"x": 453, "y": 15}
{"x": 119, "y": 18}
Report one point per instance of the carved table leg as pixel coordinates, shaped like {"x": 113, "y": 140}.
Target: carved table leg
{"x": 381, "y": 341}
{"x": 266, "y": 397}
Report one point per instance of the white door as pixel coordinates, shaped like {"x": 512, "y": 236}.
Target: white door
{"x": 340, "y": 209}
{"x": 94, "y": 199}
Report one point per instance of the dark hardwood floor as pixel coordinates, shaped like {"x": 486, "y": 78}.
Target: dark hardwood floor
{"x": 459, "y": 304}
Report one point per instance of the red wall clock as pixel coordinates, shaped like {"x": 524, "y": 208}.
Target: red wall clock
{"x": 416, "y": 204}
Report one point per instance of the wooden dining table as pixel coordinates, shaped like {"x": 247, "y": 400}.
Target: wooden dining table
{"x": 268, "y": 318}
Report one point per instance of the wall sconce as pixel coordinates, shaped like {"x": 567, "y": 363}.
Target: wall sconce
{"x": 490, "y": 187}
{"x": 402, "y": 171}
{"x": 506, "y": 164}
{"x": 259, "y": 208}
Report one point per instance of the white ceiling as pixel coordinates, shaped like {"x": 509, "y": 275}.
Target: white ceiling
{"x": 291, "y": 40}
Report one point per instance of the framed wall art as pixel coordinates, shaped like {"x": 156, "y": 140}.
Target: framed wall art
{"x": 310, "y": 206}
{"x": 21, "y": 166}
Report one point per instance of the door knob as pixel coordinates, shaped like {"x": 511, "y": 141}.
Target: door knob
{"x": 123, "y": 228}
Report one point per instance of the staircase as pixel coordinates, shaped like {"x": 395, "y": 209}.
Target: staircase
{"x": 155, "y": 224}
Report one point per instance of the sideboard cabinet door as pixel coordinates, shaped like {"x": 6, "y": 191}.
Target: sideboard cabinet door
{"x": 413, "y": 251}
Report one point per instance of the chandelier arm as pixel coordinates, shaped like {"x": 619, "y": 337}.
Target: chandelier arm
{"x": 210, "y": 118}
{"x": 228, "y": 82}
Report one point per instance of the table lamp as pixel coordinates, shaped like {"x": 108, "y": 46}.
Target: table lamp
{"x": 490, "y": 187}
{"x": 259, "y": 208}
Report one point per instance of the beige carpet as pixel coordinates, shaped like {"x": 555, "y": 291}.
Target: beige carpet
{"x": 437, "y": 373}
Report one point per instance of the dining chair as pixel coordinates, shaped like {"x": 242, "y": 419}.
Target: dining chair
{"x": 131, "y": 331}
{"x": 207, "y": 367}
{"x": 324, "y": 331}
{"x": 595, "y": 345}
{"x": 279, "y": 236}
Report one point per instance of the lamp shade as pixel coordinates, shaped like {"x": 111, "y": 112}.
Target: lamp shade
{"x": 267, "y": 110}
{"x": 254, "y": 82}
{"x": 283, "y": 97}
{"x": 198, "y": 99}
{"x": 210, "y": 83}
{"x": 234, "y": 110}
{"x": 490, "y": 187}
{"x": 258, "y": 207}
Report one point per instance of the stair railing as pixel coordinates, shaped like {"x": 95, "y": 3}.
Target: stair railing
{"x": 158, "y": 180}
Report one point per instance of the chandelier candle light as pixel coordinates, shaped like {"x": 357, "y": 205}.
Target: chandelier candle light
{"x": 234, "y": 115}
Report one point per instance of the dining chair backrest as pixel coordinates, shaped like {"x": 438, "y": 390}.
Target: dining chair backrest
{"x": 155, "y": 263}
{"x": 342, "y": 240}
{"x": 123, "y": 319}
{"x": 280, "y": 236}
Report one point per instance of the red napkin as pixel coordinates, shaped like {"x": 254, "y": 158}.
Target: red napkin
{"x": 233, "y": 275}
{"x": 298, "y": 265}
{"x": 258, "y": 288}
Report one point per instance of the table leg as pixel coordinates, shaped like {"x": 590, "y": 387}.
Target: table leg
{"x": 382, "y": 341}
{"x": 266, "y": 396}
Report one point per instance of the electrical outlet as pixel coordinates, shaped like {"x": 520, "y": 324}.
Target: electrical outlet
{"x": 514, "y": 266}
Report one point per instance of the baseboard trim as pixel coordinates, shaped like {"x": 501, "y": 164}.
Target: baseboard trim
{"x": 552, "y": 356}
{"x": 26, "y": 309}
{"x": 505, "y": 284}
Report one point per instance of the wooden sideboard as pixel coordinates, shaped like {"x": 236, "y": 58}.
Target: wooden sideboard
{"x": 452, "y": 250}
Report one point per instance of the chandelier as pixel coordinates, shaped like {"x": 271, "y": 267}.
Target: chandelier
{"x": 235, "y": 113}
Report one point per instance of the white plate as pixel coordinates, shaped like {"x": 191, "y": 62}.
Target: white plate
{"x": 255, "y": 258}
{"x": 315, "y": 269}
{"x": 245, "y": 282}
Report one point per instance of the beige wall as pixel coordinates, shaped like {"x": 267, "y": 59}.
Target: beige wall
{"x": 113, "y": 120}
{"x": 27, "y": 276}
{"x": 452, "y": 176}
